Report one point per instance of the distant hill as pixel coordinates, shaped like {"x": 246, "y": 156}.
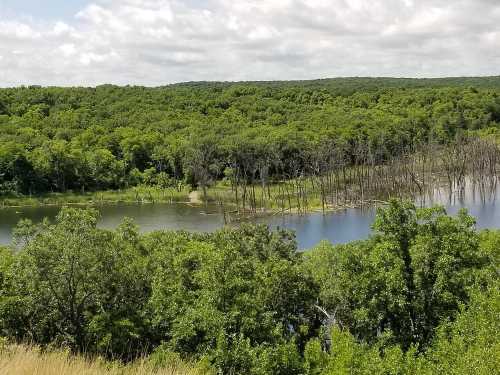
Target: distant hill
{"x": 349, "y": 85}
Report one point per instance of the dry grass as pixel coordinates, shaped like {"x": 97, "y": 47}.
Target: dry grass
{"x": 27, "y": 360}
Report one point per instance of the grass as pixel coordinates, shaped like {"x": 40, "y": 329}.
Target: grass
{"x": 30, "y": 360}
{"x": 138, "y": 194}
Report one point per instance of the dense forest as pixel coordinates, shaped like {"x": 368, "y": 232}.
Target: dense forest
{"x": 193, "y": 134}
{"x": 420, "y": 296}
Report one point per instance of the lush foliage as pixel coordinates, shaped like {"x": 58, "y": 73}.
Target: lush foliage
{"x": 420, "y": 296}
{"x": 59, "y": 139}
{"x": 406, "y": 279}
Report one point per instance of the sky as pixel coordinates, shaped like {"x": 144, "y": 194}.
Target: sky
{"x": 157, "y": 42}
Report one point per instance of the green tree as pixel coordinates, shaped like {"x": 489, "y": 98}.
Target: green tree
{"x": 406, "y": 279}
{"x": 79, "y": 286}
{"x": 235, "y": 290}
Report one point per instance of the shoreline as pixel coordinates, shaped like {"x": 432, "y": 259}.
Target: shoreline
{"x": 192, "y": 200}
{"x": 136, "y": 195}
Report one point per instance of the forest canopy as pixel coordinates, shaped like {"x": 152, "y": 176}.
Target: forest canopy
{"x": 108, "y": 137}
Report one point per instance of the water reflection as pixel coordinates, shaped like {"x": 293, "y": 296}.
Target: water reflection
{"x": 337, "y": 227}
{"x": 148, "y": 217}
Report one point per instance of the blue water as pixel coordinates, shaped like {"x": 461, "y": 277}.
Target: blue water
{"x": 337, "y": 227}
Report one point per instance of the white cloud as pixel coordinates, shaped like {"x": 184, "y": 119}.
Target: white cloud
{"x": 61, "y": 28}
{"x": 68, "y": 49}
{"x": 17, "y": 30}
{"x": 154, "y": 42}
{"x": 89, "y": 58}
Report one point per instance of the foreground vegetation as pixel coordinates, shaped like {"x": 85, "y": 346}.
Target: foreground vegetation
{"x": 29, "y": 360}
{"x": 420, "y": 296}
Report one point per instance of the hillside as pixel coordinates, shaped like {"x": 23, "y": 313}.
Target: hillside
{"x": 109, "y": 137}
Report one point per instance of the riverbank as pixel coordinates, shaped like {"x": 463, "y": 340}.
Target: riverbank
{"x": 219, "y": 195}
{"x": 334, "y": 187}
{"x": 352, "y": 188}
{"x": 140, "y": 194}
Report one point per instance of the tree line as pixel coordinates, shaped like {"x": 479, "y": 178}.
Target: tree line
{"x": 108, "y": 137}
{"x": 420, "y": 296}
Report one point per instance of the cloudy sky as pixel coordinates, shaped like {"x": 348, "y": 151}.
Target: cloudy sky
{"x": 155, "y": 42}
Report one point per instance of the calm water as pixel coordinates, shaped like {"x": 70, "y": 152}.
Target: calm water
{"x": 337, "y": 227}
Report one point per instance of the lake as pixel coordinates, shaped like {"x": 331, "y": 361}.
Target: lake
{"x": 337, "y": 227}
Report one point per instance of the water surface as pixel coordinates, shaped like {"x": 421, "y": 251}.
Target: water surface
{"x": 337, "y": 227}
